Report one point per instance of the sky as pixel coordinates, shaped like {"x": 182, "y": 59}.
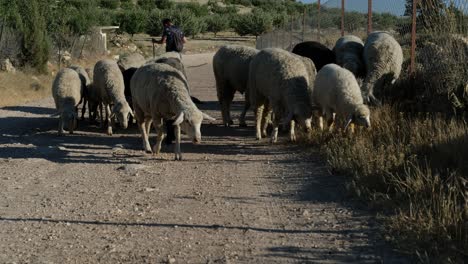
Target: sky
{"x": 396, "y": 7}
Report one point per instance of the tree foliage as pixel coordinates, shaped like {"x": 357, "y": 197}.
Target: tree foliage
{"x": 254, "y": 24}
{"x": 217, "y": 23}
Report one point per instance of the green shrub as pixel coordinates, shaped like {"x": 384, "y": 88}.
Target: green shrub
{"x": 154, "y": 26}
{"x": 109, "y": 4}
{"x": 217, "y": 23}
{"x": 197, "y": 9}
{"x": 253, "y": 24}
{"x": 133, "y": 21}
{"x": 35, "y": 43}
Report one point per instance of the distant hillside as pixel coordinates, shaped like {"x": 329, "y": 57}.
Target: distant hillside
{"x": 396, "y": 7}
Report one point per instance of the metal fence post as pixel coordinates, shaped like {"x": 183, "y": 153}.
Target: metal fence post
{"x": 318, "y": 21}
{"x": 342, "y": 17}
{"x": 369, "y": 17}
{"x": 413, "y": 39}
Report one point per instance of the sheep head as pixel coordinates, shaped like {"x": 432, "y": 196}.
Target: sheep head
{"x": 69, "y": 117}
{"x": 361, "y": 117}
{"x": 190, "y": 122}
{"x": 122, "y": 110}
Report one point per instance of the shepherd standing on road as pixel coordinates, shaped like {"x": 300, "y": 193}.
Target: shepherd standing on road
{"x": 172, "y": 36}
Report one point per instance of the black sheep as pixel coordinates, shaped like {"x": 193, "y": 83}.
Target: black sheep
{"x": 317, "y": 52}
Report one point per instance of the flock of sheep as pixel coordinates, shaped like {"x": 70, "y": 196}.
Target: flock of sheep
{"x": 282, "y": 88}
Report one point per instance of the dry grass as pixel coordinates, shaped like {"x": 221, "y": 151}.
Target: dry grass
{"x": 20, "y": 87}
{"x": 414, "y": 169}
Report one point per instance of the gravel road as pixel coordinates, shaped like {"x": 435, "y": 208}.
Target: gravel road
{"x": 91, "y": 198}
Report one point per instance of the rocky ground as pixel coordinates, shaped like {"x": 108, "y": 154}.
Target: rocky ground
{"x": 91, "y": 198}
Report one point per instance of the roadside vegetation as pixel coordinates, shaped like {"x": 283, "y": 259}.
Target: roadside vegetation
{"x": 412, "y": 165}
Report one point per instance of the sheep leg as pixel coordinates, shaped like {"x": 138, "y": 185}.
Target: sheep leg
{"x": 148, "y": 126}
{"x": 83, "y": 109}
{"x": 321, "y": 122}
{"x": 292, "y": 134}
{"x": 178, "y": 153}
{"x": 226, "y": 101}
{"x": 144, "y": 136}
{"x": 60, "y": 127}
{"x": 71, "y": 125}
{"x": 330, "y": 116}
{"x": 242, "y": 122}
{"x": 266, "y": 118}
{"x": 101, "y": 116}
{"x": 108, "y": 119}
{"x": 158, "y": 125}
{"x": 258, "y": 120}
{"x": 276, "y": 122}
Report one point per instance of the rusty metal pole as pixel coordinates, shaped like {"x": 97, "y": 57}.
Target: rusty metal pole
{"x": 369, "y": 17}
{"x": 342, "y": 16}
{"x": 413, "y": 39}
{"x": 318, "y": 21}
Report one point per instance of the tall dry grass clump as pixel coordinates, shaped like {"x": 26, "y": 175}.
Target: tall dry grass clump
{"x": 414, "y": 168}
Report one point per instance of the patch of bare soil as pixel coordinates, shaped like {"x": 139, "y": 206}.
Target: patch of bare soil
{"x": 91, "y": 198}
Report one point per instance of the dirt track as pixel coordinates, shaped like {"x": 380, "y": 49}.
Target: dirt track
{"x": 89, "y": 198}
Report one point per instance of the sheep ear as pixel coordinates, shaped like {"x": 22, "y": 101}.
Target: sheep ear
{"x": 207, "y": 117}
{"x": 179, "y": 119}
{"x": 350, "y": 120}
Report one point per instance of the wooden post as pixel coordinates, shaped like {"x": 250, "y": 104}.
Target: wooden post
{"x": 369, "y": 17}
{"x": 413, "y": 39}
{"x": 342, "y": 16}
{"x": 291, "y": 34}
{"x": 303, "y": 24}
{"x": 318, "y": 21}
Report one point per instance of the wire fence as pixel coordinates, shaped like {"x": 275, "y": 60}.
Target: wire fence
{"x": 433, "y": 35}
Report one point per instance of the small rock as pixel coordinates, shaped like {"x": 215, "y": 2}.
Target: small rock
{"x": 306, "y": 213}
{"x": 7, "y": 66}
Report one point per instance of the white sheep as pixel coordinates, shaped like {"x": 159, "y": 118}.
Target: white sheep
{"x": 109, "y": 84}
{"x": 133, "y": 60}
{"x": 336, "y": 91}
{"x": 349, "y": 54}
{"x": 67, "y": 92}
{"x": 231, "y": 70}
{"x": 284, "y": 81}
{"x": 166, "y": 55}
{"x": 383, "y": 58}
{"x": 160, "y": 92}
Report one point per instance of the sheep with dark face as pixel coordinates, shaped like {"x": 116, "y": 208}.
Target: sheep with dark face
{"x": 284, "y": 81}
{"x": 109, "y": 85}
{"x": 336, "y": 91}
{"x": 383, "y": 58}
{"x": 160, "y": 92}
{"x": 349, "y": 55}
{"x": 67, "y": 91}
{"x": 317, "y": 52}
{"x": 231, "y": 70}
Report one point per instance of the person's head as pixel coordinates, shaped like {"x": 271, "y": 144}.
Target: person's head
{"x": 166, "y": 22}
